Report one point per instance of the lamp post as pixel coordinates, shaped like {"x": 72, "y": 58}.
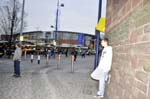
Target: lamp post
{"x": 97, "y": 45}
{"x": 22, "y": 18}
{"x": 57, "y": 17}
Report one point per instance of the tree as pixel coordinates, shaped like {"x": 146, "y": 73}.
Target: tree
{"x": 10, "y": 18}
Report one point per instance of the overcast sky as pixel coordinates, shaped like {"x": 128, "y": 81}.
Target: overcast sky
{"x": 76, "y": 15}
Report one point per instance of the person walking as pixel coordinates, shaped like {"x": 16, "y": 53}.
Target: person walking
{"x": 32, "y": 58}
{"x": 49, "y": 53}
{"x": 17, "y": 59}
{"x": 38, "y": 59}
{"x": 75, "y": 55}
{"x": 66, "y": 52}
{"x": 83, "y": 53}
{"x": 104, "y": 67}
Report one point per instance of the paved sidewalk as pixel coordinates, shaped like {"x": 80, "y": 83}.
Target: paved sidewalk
{"x": 46, "y": 81}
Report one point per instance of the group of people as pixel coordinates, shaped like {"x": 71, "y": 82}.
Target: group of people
{"x": 100, "y": 73}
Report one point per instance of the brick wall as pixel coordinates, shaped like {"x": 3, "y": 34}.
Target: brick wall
{"x": 128, "y": 28}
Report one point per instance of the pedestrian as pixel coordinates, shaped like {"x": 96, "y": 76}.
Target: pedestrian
{"x": 39, "y": 58}
{"x": 17, "y": 59}
{"x": 53, "y": 52}
{"x": 83, "y": 53}
{"x": 66, "y": 52}
{"x": 104, "y": 67}
{"x": 49, "y": 53}
{"x": 31, "y": 58}
{"x": 75, "y": 54}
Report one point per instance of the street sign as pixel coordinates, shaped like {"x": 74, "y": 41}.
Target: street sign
{"x": 101, "y": 25}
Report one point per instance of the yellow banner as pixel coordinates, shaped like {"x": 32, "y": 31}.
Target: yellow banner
{"x": 101, "y": 25}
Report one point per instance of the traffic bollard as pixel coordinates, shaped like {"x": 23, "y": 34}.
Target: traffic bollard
{"x": 58, "y": 61}
{"x": 72, "y": 63}
{"x": 25, "y": 54}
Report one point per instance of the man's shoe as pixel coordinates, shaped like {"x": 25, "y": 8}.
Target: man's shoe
{"x": 16, "y": 76}
{"x": 98, "y": 96}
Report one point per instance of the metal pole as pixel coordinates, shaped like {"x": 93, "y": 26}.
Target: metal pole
{"x": 96, "y": 61}
{"x": 56, "y": 24}
{"x": 22, "y": 18}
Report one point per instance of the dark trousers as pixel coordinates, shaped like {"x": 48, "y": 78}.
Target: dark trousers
{"x": 17, "y": 67}
{"x": 31, "y": 60}
{"x": 75, "y": 57}
{"x": 38, "y": 61}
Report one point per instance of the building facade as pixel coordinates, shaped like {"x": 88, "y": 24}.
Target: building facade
{"x": 73, "y": 39}
{"x": 64, "y": 38}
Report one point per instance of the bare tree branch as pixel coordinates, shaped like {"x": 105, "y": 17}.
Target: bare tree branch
{"x": 10, "y": 17}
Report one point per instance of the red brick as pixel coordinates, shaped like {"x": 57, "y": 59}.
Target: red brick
{"x": 147, "y": 29}
{"x": 128, "y": 7}
{"x": 134, "y": 61}
{"x": 149, "y": 88}
{"x": 134, "y": 92}
{"x": 142, "y": 76}
{"x": 145, "y": 57}
{"x": 141, "y": 63}
{"x": 129, "y": 81}
{"x": 108, "y": 21}
{"x": 145, "y": 37}
{"x": 141, "y": 96}
{"x": 126, "y": 95}
{"x": 141, "y": 86}
{"x": 120, "y": 92}
{"x": 141, "y": 48}
{"x": 135, "y": 35}
{"x": 145, "y": 2}
{"x": 135, "y": 3}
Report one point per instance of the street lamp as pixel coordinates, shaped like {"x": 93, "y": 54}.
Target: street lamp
{"x": 22, "y": 18}
{"x": 54, "y": 34}
{"x": 57, "y": 17}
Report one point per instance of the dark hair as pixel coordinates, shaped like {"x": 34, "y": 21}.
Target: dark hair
{"x": 106, "y": 40}
{"x": 18, "y": 45}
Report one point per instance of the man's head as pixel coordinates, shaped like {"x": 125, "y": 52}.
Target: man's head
{"x": 104, "y": 42}
{"x": 18, "y": 46}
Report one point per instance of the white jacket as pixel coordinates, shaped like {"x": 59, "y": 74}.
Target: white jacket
{"x": 104, "y": 64}
{"x": 106, "y": 59}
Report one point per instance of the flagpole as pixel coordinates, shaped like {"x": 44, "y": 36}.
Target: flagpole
{"x": 97, "y": 44}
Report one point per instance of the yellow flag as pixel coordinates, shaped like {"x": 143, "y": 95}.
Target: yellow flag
{"x": 101, "y": 25}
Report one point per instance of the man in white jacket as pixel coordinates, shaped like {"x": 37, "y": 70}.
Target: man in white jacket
{"x": 101, "y": 72}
